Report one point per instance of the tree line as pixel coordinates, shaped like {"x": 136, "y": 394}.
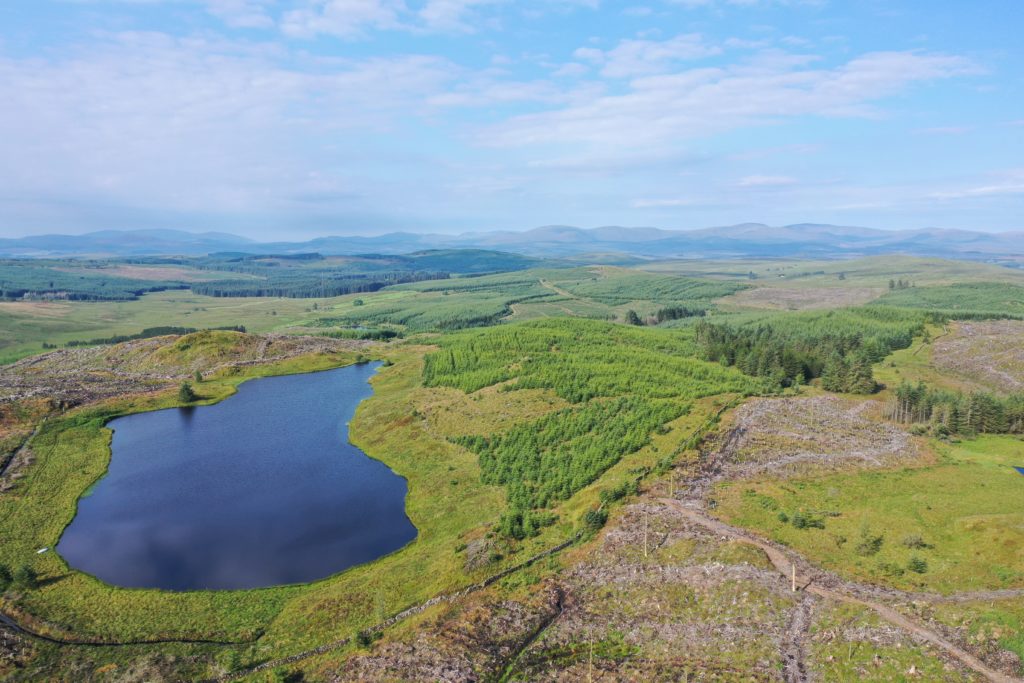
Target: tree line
{"x": 304, "y": 284}
{"x": 947, "y": 412}
{"x": 839, "y": 347}
{"x": 667, "y": 313}
{"x": 23, "y": 279}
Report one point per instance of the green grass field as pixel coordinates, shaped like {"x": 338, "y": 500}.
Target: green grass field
{"x": 25, "y": 326}
{"x": 873, "y": 271}
{"x": 967, "y": 507}
{"x": 914, "y": 364}
{"x": 966, "y": 299}
{"x": 793, "y": 284}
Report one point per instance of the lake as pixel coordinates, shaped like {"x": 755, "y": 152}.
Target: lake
{"x": 261, "y": 489}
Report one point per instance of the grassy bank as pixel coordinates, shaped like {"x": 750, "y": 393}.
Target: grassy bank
{"x": 70, "y": 454}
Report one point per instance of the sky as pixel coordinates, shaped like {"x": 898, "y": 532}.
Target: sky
{"x": 282, "y": 119}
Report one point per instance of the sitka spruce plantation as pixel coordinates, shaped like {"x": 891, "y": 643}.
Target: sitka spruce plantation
{"x": 551, "y": 341}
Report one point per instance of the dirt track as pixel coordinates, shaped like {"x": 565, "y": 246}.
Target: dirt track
{"x": 786, "y": 566}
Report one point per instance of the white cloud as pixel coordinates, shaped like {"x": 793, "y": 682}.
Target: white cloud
{"x": 692, "y": 4}
{"x": 767, "y": 181}
{"x": 945, "y": 130}
{"x": 638, "y": 11}
{"x": 355, "y": 18}
{"x": 570, "y": 70}
{"x": 180, "y": 123}
{"x": 661, "y": 203}
{"x": 1011, "y": 183}
{"x": 659, "y": 161}
{"x": 685, "y": 104}
{"x": 484, "y": 91}
{"x": 343, "y": 18}
{"x": 632, "y": 58}
{"x": 450, "y": 15}
{"x": 241, "y": 13}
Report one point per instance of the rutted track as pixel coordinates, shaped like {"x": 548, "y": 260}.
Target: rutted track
{"x": 786, "y": 565}
{"x": 538, "y": 633}
{"x": 794, "y": 652}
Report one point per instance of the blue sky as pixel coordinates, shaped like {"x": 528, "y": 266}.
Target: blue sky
{"x": 293, "y": 118}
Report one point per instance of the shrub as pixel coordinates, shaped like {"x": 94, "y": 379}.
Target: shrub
{"x": 868, "y": 544}
{"x": 5, "y": 578}
{"x": 595, "y": 519}
{"x": 918, "y": 565}
{"x": 804, "y": 521}
{"x": 25, "y": 578}
{"x": 621, "y": 491}
{"x": 914, "y": 542}
{"x": 520, "y": 524}
{"x": 890, "y": 569}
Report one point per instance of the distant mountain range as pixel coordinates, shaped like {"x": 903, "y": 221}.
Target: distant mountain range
{"x": 747, "y": 240}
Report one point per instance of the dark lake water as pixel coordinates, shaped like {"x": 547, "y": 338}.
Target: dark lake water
{"x": 260, "y": 489}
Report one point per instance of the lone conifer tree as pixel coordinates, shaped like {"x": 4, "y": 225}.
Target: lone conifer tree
{"x": 185, "y": 393}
